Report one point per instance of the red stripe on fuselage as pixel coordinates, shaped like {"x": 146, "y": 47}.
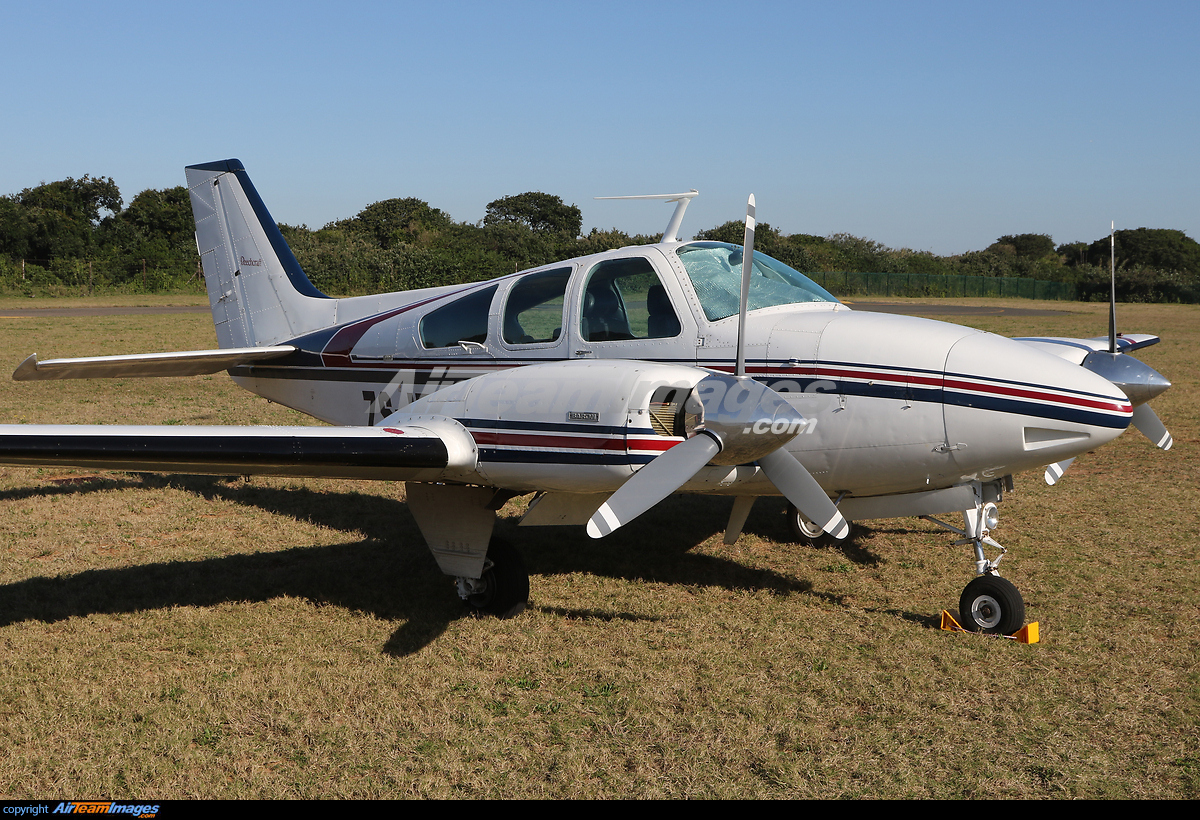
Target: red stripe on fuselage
{"x": 1111, "y": 405}
{"x": 488, "y": 437}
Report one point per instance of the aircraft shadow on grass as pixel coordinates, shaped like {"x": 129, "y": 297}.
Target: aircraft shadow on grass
{"x": 388, "y": 572}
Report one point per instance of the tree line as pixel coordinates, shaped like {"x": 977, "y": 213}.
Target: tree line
{"x": 73, "y": 235}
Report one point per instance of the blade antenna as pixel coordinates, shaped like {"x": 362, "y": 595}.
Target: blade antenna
{"x": 671, "y": 234}
{"x": 747, "y": 263}
{"x": 1112, "y": 302}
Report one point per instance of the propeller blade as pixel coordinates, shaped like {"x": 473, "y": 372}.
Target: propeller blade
{"x": 747, "y": 267}
{"x": 1148, "y": 424}
{"x": 799, "y": 487}
{"x": 654, "y": 482}
{"x": 1112, "y": 304}
{"x": 1055, "y": 471}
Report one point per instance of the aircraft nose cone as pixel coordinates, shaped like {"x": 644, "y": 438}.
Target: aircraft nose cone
{"x": 1137, "y": 380}
{"x": 1014, "y": 406}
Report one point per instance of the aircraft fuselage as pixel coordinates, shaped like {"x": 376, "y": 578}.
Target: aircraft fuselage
{"x": 894, "y": 404}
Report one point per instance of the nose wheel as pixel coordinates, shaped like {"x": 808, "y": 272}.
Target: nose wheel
{"x": 992, "y": 605}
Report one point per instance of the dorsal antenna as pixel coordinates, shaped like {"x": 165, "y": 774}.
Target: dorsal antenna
{"x": 671, "y": 234}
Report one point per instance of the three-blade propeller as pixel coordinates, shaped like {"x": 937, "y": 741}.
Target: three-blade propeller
{"x": 1138, "y": 381}
{"x": 742, "y": 421}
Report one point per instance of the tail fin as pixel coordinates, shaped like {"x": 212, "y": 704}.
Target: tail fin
{"x": 259, "y": 294}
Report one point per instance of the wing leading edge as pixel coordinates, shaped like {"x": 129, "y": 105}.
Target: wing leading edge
{"x": 429, "y": 450}
{"x": 177, "y": 363}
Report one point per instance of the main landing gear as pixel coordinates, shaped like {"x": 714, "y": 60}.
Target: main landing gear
{"x": 807, "y": 533}
{"x": 503, "y": 588}
{"x": 989, "y": 604}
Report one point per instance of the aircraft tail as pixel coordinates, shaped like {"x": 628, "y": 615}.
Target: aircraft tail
{"x": 258, "y": 292}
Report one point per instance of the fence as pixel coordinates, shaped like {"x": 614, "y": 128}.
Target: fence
{"x": 934, "y": 284}
{"x": 83, "y": 277}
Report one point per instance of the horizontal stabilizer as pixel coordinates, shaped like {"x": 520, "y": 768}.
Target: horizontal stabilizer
{"x": 1076, "y": 350}
{"x": 398, "y": 453}
{"x": 180, "y": 363}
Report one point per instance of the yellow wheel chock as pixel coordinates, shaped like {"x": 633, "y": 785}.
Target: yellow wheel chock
{"x": 1026, "y": 634}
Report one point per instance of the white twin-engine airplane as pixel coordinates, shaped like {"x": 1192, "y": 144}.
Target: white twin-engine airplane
{"x": 604, "y": 384}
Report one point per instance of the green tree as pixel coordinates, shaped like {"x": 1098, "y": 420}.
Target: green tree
{"x": 538, "y": 211}
{"x": 17, "y": 229}
{"x": 395, "y": 221}
{"x": 81, "y": 199}
{"x": 1024, "y": 245}
{"x": 1161, "y": 248}
{"x": 57, "y": 220}
{"x": 163, "y": 213}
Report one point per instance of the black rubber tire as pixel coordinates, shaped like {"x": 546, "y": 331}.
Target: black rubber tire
{"x": 992, "y": 605}
{"x": 807, "y": 533}
{"x": 506, "y": 583}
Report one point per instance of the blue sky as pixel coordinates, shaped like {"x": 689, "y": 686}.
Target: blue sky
{"x": 935, "y": 126}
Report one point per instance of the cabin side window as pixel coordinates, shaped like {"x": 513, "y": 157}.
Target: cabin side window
{"x": 533, "y": 313}
{"x": 463, "y": 320}
{"x": 624, "y": 299}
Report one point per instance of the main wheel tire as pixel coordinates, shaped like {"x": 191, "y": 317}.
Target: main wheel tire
{"x": 992, "y": 605}
{"x": 505, "y": 582}
{"x": 806, "y": 532}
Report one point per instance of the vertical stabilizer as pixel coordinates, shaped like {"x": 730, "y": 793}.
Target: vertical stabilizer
{"x": 258, "y": 293}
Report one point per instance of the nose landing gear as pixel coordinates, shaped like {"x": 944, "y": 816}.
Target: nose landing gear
{"x": 989, "y": 604}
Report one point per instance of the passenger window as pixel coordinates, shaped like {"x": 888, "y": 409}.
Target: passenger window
{"x": 624, "y": 299}
{"x": 534, "y": 310}
{"x": 463, "y": 320}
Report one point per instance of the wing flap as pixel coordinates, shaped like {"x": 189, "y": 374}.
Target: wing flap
{"x": 177, "y": 363}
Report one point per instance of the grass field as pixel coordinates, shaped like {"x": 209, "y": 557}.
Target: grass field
{"x": 187, "y": 637}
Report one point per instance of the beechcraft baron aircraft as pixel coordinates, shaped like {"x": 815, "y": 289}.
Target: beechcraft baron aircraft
{"x": 604, "y": 384}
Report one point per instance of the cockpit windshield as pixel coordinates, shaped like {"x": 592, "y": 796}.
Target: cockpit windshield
{"x": 715, "y": 269}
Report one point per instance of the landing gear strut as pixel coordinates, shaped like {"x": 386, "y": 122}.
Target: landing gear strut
{"x": 503, "y": 588}
{"x": 989, "y": 604}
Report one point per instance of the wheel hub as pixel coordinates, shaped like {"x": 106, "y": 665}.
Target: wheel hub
{"x": 986, "y": 611}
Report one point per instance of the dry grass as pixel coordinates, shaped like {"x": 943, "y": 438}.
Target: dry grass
{"x": 187, "y": 637}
